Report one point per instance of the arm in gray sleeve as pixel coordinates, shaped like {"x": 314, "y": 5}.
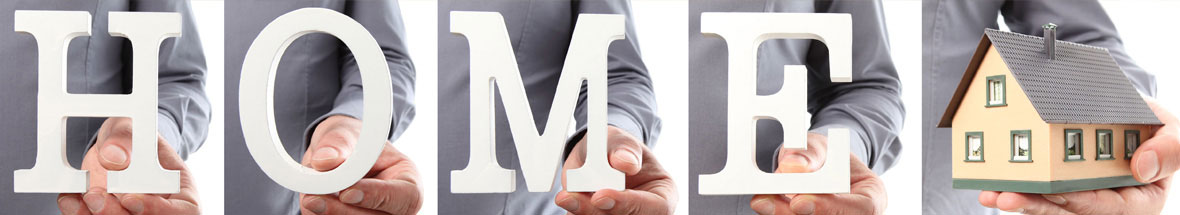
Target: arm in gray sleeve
{"x": 383, "y": 20}
{"x": 184, "y": 111}
{"x": 1084, "y": 22}
{"x": 869, "y": 106}
{"x": 631, "y": 103}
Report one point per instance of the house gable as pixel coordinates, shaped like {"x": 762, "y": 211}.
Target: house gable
{"x": 997, "y": 124}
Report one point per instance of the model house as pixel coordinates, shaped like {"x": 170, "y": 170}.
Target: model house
{"x": 1038, "y": 115}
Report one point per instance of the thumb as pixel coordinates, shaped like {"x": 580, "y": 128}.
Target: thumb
{"x": 114, "y": 143}
{"x": 329, "y": 149}
{"x": 800, "y": 161}
{"x": 625, "y": 151}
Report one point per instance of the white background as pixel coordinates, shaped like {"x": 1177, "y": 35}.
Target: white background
{"x": 662, "y": 28}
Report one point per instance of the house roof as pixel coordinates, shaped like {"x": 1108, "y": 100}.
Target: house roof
{"x": 1083, "y": 85}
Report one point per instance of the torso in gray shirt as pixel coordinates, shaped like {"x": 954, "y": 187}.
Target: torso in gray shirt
{"x": 540, "y": 34}
{"x": 870, "y": 106}
{"x": 95, "y": 64}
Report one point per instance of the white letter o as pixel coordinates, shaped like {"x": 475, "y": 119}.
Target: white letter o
{"x": 256, "y": 100}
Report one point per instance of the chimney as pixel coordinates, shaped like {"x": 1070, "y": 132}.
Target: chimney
{"x": 1050, "y": 40}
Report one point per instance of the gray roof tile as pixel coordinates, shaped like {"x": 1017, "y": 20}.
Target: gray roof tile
{"x": 1084, "y": 85}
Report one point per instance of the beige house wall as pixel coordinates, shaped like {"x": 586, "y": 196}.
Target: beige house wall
{"x": 1091, "y": 167}
{"x": 997, "y": 124}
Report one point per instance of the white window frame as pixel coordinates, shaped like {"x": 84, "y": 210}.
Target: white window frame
{"x": 1074, "y": 133}
{"x": 1021, "y": 139}
{"x": 1104, "y": 139}
{"x": 974, "y": 143}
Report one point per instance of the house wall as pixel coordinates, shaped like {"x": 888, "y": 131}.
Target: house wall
{"x": 1091, "y": 167}
{"x": 997, "y": 124}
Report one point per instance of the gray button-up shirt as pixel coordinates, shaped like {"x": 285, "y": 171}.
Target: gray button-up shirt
{"x": 951, "y": 32}
{"x": 540, "y": 34}
{"x": 317, "y": 77}
{"x": 870, "y": 106}
{"x": 96, "y": 64}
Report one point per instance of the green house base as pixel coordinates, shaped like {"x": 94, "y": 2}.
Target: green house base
{"x": 1064, "y": 186}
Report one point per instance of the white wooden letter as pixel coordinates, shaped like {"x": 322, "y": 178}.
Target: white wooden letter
{"x": 54, "y": 29}
{"x": 145, "y": 30}
{"x": 744, "y": 32}
{"x": 493, "y": 61}
{"x": 256, "y": 100}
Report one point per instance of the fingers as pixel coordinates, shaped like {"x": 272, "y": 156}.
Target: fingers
{"x": 1027, "y": 203}
{"x": 866, "y": 195}
{"x": 391, "y": 187}
{"x": 98, "y": 201}
{"x": 988, "y": 198}
{"x": 71, "y": 203}
{"x": 769, "y": 204}
{"x": 157, "y": 204}
{"x": 630, "y": 202}
{"x": 329, "y": 205}
{"x": 799, "y": 161}
{"x": 114, "y": 143}
{"x": 184, "y": 202}
{"x": 392, "y": 196}
{"x": 832, "y": 204}
{"x": 577, "y": 203}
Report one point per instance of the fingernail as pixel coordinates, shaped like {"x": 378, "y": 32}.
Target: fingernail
{"x": 352, "y": 196}
{"x": 1056, "y": 199}
{"x": 326, "y": 153}
{"x": 68, "y": 205}
{"x": 133, "y": 204}
{"x": 1018, "y": 210}
{"x": 114, "y": 154}
{"x": 569, "y": 204}
{"x": 94, "y": 201}
{"x": 763, "y": 206}
{"x": 627, "y": 157}
{"x": 605, "y": 203}
{"x": 1149, "y": 166}
{"x": 804, "y": 207}
{"x": 315, "y": 204}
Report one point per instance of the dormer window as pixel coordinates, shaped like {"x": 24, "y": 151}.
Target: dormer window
{"x": 995, "y": 91}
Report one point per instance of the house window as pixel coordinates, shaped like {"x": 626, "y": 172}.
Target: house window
{"x": 1073, "y": 145}
{"x": 995, "y": 91}
{"x": 1021, "y": 146}
{"x": 975, "y": 146}
{"x": 1131, "y": 138}
{"x": 1104, "y": 144}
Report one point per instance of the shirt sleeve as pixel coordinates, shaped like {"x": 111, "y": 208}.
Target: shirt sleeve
{"x": 870, "y": 106}
{"x": 631, "y": 103}
{"x": 383, "y": 20}
{"x": 1084, "y": 22}
{"x": 184, "y": 110}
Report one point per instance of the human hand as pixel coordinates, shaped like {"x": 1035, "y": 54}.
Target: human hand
{"x": 390, "y": 187}
{"x": 866, "y": 196}
{"x": 649, "y": 189}
{"x": 1153, "y": 163}
{"x": 111, "y": 151}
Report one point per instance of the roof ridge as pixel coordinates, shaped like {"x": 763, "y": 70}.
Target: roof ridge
{"x": 1042, "y": 38}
